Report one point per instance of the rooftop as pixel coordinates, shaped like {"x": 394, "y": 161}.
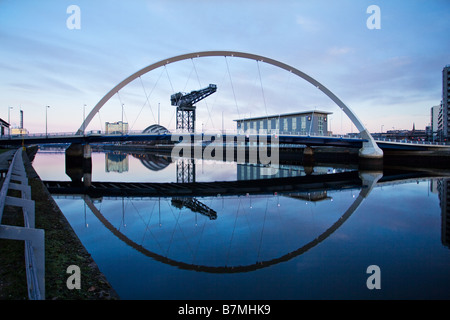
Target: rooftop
{"x": 3, "y": 123}
{"x": 281, "y": 115}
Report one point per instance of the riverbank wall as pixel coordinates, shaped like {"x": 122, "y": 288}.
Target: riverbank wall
{"x": 62, "y": 249}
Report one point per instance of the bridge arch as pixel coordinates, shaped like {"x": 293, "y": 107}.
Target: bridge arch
{"x": 369, "y": 150}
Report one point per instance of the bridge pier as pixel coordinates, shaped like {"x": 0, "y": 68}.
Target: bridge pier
{"x": 308, "y": 152}
{"x": 369, "y": 180}
{"x": 308, "y": 160}
{"x": 79, "y": 163}
{"x": 370, "y": 149}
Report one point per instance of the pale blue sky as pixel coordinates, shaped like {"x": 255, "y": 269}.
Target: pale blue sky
{"x": 390, "y": 77}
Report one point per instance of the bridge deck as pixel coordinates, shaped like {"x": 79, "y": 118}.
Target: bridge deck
{"x": 198, "y": 137}
{"x": 304, "y": 140}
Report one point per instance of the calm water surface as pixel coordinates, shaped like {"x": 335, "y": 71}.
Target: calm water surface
{"x": 258, "y": 246}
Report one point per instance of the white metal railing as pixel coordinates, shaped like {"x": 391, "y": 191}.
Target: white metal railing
{"x": 434, "y": 143}
{"x": 16, "y": 179}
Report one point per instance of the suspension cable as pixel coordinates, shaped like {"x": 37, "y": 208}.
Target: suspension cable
{"x": 120, "y": 100}
{"x": 206, "y": 103}
{"x": 262, "y": 88}
{"x": 188, "y": 79}
{"x": 146, "y": 223}
{"x": 122, "y": 105}
{"x": 262, "y": 230}
{"x": 182, "y": 233}
{"x": 199, "y": 242}
{"x": 168, "y": 77}
{"x": 147, "y": 101}
{"x": 232, "y": 88}
{"x": 232, "y": 233}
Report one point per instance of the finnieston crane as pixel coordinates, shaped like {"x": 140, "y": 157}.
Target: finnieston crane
{"x": 186, "y": 108}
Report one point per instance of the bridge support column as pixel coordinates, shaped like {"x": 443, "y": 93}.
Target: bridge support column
{"x": 87, "y": 165}
{"x": 79, "y": 163}
{"x": 369, "y": 180}
{"x": 370, "y": 149}
{"x": 308, "y": 160}
{"x": 308, "y": 152}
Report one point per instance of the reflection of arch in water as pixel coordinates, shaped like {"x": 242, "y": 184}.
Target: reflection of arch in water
{"x": 153, "y": 162}
{"x": 369, "y": 181}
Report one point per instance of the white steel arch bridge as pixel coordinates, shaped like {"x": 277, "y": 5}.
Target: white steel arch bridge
{"x": 369, "y": 149}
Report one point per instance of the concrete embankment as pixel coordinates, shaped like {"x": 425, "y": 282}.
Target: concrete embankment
{"x": 62, "y": 249}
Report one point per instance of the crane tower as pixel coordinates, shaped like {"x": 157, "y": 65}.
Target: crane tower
{"x": 186, "y": 108}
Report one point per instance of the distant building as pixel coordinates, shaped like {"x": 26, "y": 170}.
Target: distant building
{"x": 118, "y": 127}
{"x": 434, "y": 128}
{"x": 19, "y": 132}
{"x": 405, "y": 135}
{"x": 444, "y": 124}
{"x": 300, "y": 123}
{"x": 3, "y": 125}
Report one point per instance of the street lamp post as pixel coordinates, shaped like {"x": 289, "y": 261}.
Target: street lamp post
{"x": 84, "y": 118}
{"x": 9, "y": 122}
{"x": 46, "y": 132}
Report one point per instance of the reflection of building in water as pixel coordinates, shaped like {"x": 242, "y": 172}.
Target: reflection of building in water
{"x": 310, "y": 196}
{"x": 434, "y": 186}
{"x": 443, "y": 186}
{"x": 253, "y": 171}
{"x": 116, "y": 162}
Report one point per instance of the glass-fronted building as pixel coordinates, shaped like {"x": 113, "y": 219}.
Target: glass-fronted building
{"x": 299, "y": 123}
{"x": 444, "y": 112}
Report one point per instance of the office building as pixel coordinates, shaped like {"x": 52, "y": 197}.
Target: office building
{"x": 434, "y": 121}
{"x": 118, "y": 127}
{"x": 3, "y": 125}
{"x": 299, "y": 123}
{"x": 444, "y": 124}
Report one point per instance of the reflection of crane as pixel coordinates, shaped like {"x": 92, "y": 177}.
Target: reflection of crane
{"x": 186, "y": 174}
{"x": 185, "y": 106}
{"x": 195, "y": 206}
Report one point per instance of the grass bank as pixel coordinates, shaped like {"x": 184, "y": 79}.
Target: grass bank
{"x": 62, "y": 249}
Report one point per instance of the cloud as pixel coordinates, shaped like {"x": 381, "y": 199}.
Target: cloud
{"x": 307, "y": 23}
{"x": 337, "y": 51}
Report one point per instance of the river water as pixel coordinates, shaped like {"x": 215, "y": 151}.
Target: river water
{"x": 310, "y": 244}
